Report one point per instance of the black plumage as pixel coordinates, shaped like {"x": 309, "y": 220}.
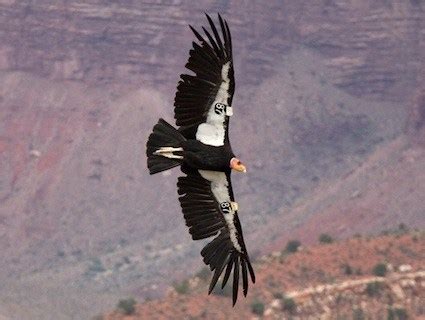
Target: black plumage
{"x": 202, "y": 107}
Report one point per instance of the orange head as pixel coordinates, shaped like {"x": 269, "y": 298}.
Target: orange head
{"x": 237, "y": 165}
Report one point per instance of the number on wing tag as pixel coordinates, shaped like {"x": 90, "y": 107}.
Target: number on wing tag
{"x": 219, "y": 108}
{"x": 226, "y": 207}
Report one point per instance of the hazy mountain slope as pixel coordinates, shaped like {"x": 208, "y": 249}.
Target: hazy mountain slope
{"x": 381, "y": 193}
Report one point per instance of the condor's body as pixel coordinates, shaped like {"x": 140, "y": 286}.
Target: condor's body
{"x": 201, "y": 147}
{"x": 200, "y": 156}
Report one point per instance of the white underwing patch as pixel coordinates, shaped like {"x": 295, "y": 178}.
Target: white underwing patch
{"x": 212, "y": 132}
{"x": 219, "y": 187}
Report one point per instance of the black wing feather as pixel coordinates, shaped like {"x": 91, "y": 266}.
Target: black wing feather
{"x": 227, "y": 273}
{"x": 235, "y": 280}
{"x": 196, "y": 93}
{"x": 244, "y": 278}
{"x": 205, "y": 218}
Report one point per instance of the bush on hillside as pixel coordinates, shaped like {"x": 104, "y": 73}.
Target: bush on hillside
{"x": 181, "y": 287}
{"x": 292, "y": 246}
{"x": 257, "y": 307}
{"x": 127, "y": 306}
{"x": 289, "y": 305}
{"x": 373, "y": 288}
{"x": 325, "y": 238}
{"x": 380, "y": 270}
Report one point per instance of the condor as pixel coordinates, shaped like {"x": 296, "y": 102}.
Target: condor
{"x": 200, "y": 145}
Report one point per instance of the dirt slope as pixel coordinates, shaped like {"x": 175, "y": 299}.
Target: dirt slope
{"x": 318, "y": 282}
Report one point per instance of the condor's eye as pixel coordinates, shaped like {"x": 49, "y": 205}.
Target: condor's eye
{"x": 239, "y": 163}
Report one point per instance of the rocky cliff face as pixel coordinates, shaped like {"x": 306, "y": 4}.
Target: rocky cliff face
{"x": 326, "y": 84}
{"x": 375, "y": 47}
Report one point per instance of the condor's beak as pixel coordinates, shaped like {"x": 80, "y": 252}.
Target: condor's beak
{"x": 237, "y": 165}
{"x": 241, "y": 168}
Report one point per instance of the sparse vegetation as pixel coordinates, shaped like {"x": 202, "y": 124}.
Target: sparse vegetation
{"x": 403, "y": 228}
{"x": 380, "y": 270}
{"x": 400, "y": 230}
{"x": 325, "y": 238}
{"x": 204, "y": 273}
{"x": 358, "y": 272}
{"x": 289, "y": 305}
{"x": 358, "y": 314}
{"x": 95, "y": 266}
{"x": 292, "y": 246}
{"x": 181, "y": 287}
{"x": 127, "y": 306}
{"x": 373, "y": 288}
{"x": 401, "y": 313}
{"x": 348, "y": 270}
{"x": 257, "y": 307}
{"x": 278, "y": 295}
{"x": 390, "y": 314}
{"x": 397, "y": 314}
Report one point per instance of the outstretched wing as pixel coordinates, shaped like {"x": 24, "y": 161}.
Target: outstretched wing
{"x": 202, "y": 105}
{"x": 207, "y": 208}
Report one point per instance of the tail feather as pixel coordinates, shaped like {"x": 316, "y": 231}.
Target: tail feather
{"x": 163, "y": 135}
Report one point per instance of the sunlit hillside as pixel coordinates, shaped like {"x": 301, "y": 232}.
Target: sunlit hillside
{"x": 360, "y": 278}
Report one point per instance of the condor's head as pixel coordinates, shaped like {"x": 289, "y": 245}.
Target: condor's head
{"x": 237, "y": 165}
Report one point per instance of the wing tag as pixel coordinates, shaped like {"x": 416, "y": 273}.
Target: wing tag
{"x": 226, "y": 207}
{"x": 229, "y": 111}
{"x": 220, "y": 108}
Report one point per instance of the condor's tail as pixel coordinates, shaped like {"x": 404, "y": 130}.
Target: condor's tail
{"x": 163, "y": 148}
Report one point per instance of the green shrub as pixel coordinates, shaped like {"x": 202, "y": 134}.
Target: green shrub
{"x": 373, "y": 288}
{"x": 204, "y": 273}
{"x": 289, "y": 305}
{"x": 402, "y": 228}
{"x": 347, "y": 269}
{"x": 380, "y": 270}
{"x": 127, "y": 306}
{"x": 181, "y": 287}
{"x": 278, "y": 295}
{"x": 257, "y": 307}
{"x": 292, "y": 246}
{"x": 96, "y": 266}
{"x": 358, "y": 314}
{"x": 325, "y": 238}
{"x": 401, "y": 314}
{"x": 397, "y": 314}
{"x": 390, "y": 314}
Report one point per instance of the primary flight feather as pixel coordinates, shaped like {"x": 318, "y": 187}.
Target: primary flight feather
{"x": 202, "y": 108}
